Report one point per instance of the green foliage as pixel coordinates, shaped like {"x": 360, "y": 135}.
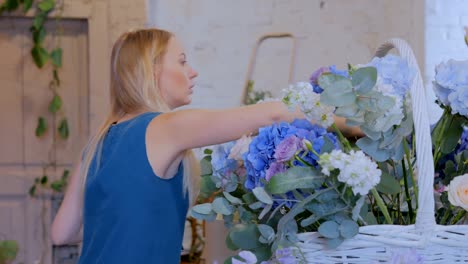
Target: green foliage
{"x": 253, "y": 97}
{"x": 63, "y": 129}
{"x": 55, "y": 104}
{"x": 41, "y": 127}
{"x": 8, "y": 250}
{"x": 294, "y": 178}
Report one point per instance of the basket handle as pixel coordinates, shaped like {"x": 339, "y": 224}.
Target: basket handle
{"x": 425, "y": 218}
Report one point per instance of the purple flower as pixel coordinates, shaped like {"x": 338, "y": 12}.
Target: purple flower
{"x": 288, "y": 148}
{"x": 274, "y": 169}
{"x": 286, "y": 256}
{"x": 316, "y": 75}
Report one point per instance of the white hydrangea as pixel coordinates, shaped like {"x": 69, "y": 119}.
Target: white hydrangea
{"x": 356, "y": 169}
{"x": 302, "y": 94}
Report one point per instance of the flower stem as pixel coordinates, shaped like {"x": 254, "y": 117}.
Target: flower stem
{"x": 302, "y": 161}
{"x": 343, "y": 139}
{"x": 382, "y": 206}
{"x": 407, "y": 194}
{"x": 459, "y": 216}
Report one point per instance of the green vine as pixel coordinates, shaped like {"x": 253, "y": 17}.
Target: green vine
{"x": 41, "y": 57}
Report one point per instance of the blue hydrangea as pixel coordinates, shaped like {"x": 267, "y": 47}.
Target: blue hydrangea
{"x": 220, "y": 162}
{"x": 262, "y": 148}
{"x": 395, "y": 71}
{"x": 451, "y": 85}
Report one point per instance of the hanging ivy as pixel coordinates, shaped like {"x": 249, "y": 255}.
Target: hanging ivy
{"x": 41, "y": 57}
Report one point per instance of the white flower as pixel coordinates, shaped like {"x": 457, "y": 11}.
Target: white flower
{"x": 458, "y": 191}
{"x": 303, "y": 96}
{"x": 356, "y": 169}
{"x": 241, "y": 147}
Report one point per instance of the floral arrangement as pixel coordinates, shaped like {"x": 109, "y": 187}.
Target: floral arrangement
{"x": 300, "y": 177}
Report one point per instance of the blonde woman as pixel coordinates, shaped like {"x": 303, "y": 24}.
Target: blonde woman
{"x": 138, "y": 175}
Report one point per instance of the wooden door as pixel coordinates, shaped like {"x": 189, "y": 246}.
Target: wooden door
{"x": 24, "y": 96}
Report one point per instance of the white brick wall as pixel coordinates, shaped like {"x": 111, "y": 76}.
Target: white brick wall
{"x": 444, "y": 34}
{"x": 220, "y": 35}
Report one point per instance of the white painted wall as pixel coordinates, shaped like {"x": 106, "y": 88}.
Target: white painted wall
{"x": 219, "y": 37}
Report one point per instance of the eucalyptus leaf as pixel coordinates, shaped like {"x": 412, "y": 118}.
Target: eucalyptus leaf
{"x": 334, "y": 243}
{"x": 370, "y": 219}
{"x": 207, "y": 187}
{"x": 348, "y": 229}
{"x": 230, "y": 244}
{"x": 385, "y": 102}
{"x": 329, "y": 229}
{"x": 309, "y": 220}
{"x": 347, "y": 111}
{"x": 388, "y": 184}
{"x": 294, "y": 178}
{"x": 41, "y": 127}
{"x": 249, "y": 198}
{"x": 245, "y": 215}
{"x": 232, "y": 199}
{"x": 222, "y": 206}
{"x": 338, "y": 90}
{"x": 262, "y": 253}
{"x": 206, "y": 168}
{"x": 205, "y": 208}
{"x": 55, "y": 104}
{"x": 364, "y": 79}
{"x": 256, "y": 205}
{"x": 265, "y": 210}
{"x": 262, "y": 196}
{"x": 245, "y": 236}
{"x": 338, "y": 99}
{"x": 267, "y": 232}
{"x": 208, "y": 217}
{"x": 371, "y": 148}
{"x": 357, "y": 208}
{"x": 327, "y": 197}
{"x": 63, "y": 129}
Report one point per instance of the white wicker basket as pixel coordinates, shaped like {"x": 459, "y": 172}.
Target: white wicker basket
{"x": 377, "y": 243}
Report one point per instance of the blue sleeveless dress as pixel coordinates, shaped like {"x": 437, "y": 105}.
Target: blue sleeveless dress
{"x": 131, "y": 215}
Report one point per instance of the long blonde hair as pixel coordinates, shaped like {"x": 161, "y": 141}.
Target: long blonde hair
{"x": 133, "y": 88}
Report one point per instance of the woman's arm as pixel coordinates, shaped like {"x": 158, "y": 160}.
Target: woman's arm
{"x": 187, "y": 129}
{"x": 66, "y": 227}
